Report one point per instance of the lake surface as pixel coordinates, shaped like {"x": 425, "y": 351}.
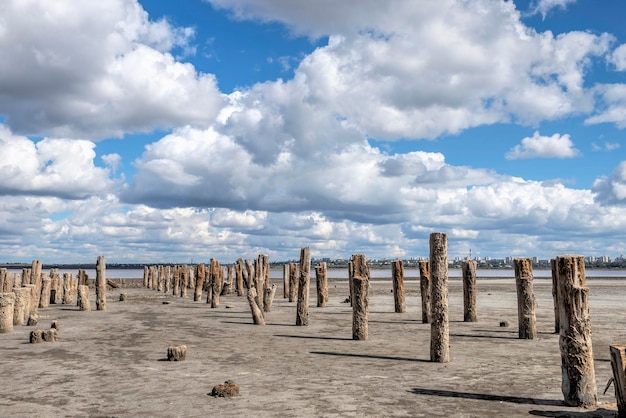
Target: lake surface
{"x": 342, "y": 273}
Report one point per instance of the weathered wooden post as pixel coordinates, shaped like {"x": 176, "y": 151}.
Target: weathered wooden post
{"x": 228, "y": 285}
{"x": 167, "y": 286}
{"x": 469, "y": 291}
{"x": 618, "y": 364}
{"x": 424, "y": 267}
{"x": 439, "y": 327}
{"x": 55, "y": 279}
{"x": 67, "y": 288}
{"x": 293, "y": 281}
{"x": 359, "y": 279}
{"x": 248, "y": 274}
{"x": 525, "y": 298}
{"x": 146, "y": 276}
{"x": 321, "y": 280}
{"x": 26, "y": 276}
{"x": 46, "y": 285}
{"x": 3, "y": 278}
{"x": 555, "y": 296}
{"x": 22, "y": 304}
{"x": 216, "y": 276}
{"x": 268, "y": 298}
{"x": 36, "y": 280}
{"x": 302, "y": 308}
{"x": 259, "y": 283}
{"x": 184, "y": 280}
{"x": 101, "y": 284}
{"x": 397, "y": 275}
{"x": 257, "y": 313}
{"x": 350, "y": 276}
{"x": 578, "y": 373}
{"x": 83, "y": 278}
{"x": 160, "y": 278}
{"x": 34, "y": 301}
{"x": 197, "y": 295}
{"x": 176, "y": 281}
{"x": 7, "y": 308}
{"x": 83, "y": 298}
{"x": 239, "y": 268}
{"x": 285, "y": 280}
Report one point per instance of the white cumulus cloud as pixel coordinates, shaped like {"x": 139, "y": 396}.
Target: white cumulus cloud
{"x": 539, "y": 146}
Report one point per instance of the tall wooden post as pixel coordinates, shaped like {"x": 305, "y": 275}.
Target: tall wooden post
{"x": 285, "y": 280}
{"x": 101, "y": 285}
{"x": 578, "y": 373}
{"x": 167, "y": 285}
{"x": 525, "y": 298}
{"x": 3, "y": 279}
{"x": 321, "y": 281}
{"x": 360, "y": 278}
{"x": 397, "y": 275}
{"x": 184, "y": 280}
{"x": 36, "y": 280}
{"x": 302, "y": 308}
{"x": 197, "y": 295}
{"x": 146, "y": 273}
{"x": 239, "y": 277}
{"x": 555, "y": 296}
{"x": 424, "y": 267}
{"x": 68, "y": 291}
{"x": 257, "y": 314}
{"x": 83, "y": 301}
{"x": 216, "y": 275}
{"x": 469, "y": 291}
{"x": 46, "y": 287}
{"x": 439, "y": 327}
{"x": 293, "y": 282}
{"x": 618, "y": 364}
{"x": 350, "y": 276}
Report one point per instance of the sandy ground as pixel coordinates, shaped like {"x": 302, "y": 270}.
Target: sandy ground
{"x": 113, "y": 363}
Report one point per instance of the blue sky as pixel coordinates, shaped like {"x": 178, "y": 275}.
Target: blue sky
{"x": 150, "y": 130}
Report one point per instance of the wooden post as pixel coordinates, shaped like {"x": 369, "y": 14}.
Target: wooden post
{"x": 397, "y": 275}
{"x": 322, "y": 284}
{"x": 525, "y": 298}
{"x": 239, "y": 269}
{"x": 167, "y": 285}
{"x": 101, "y": 285}
{"x": 36, "y": 280}
{"x": 257, "y": 313}
{"x": 293, "y": 281}
{"x": 3, "y": 278}
{"x": 618, "y": 364}
{"x": 34, "y": 301}
{"x": 197, "y": 295}
{"x": 579, "y": 382}
{"x": 439, "y": 327}
{"x": 215, "y": 282}
{"x": 268, "y": 298}
{"x": 146, "y": 273}
{"x": 68, "y": 294}
{"x": 26, "y": 276}
{"x": 350, "y": 276}
{"x": 285, "y": 280}
{"x": 228, "y": 285}
{"x": 7, "y": 308}
{"x": 259, "y": 283}
{"x": 469, "y": 291}
{"x": 160, "y": 278}
{"x": 22, "y": 304}
{"x": 83, "y": 298}
{"x": 46, "y": 286}
{"x": 176, "y": 281}
{"x": 184, "y": 280}
{"x": 359, "y": 280}
{"x": 302, "y": 308}
{"x": 250, "y": 274}
{"x": 424, "y": 267}
{"x": 555, "y": 296}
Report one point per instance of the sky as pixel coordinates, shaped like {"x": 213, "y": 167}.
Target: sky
{"x": 152, "y": 131}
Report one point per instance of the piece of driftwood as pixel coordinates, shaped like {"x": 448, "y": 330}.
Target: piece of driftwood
{"x": 176, "y": 352}
{"x": 226, "y": 390}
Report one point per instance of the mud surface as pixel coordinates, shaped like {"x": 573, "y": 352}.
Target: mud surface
{"x": 113, "y": 363}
